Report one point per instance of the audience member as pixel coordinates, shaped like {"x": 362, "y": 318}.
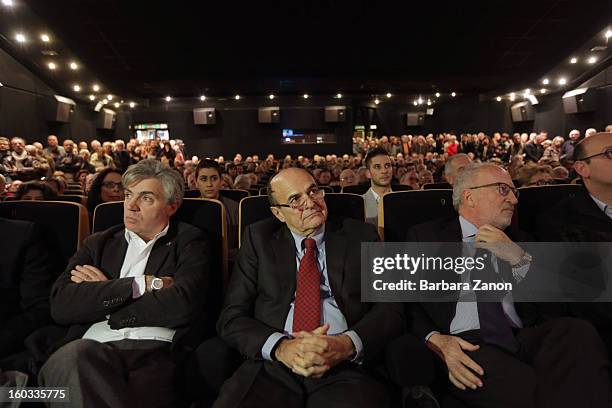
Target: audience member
{"x": 35, "y": 191}
{"x": 380, "y": 173}
{"x": 106, "y": 187}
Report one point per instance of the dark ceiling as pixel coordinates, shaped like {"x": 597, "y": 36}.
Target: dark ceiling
{"x": 145, "y": 49}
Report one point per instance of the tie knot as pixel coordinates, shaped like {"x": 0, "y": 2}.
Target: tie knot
{"x": 309, "y": 243}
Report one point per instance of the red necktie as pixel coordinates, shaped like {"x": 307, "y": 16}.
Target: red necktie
{"x": 307, "y": 306}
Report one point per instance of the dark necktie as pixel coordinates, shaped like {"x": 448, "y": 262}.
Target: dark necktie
{"x": 495, "y": 327}
{"x": 307, "y": 307}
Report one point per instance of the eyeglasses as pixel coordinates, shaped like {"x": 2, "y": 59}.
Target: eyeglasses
{"x": 300, "y": 202}
{"x": 607, "y": 153}
{"x": 503, "y": 189}
{"x": 543, "y": 182}
{"x": 111, "y": 184}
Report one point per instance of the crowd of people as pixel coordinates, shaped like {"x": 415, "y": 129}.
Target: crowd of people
{"x": 293, "y": 308}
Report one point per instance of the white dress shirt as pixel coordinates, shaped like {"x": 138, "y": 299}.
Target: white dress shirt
{"x": 603, "y": 206}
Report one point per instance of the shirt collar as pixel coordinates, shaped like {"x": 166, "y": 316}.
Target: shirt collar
{"x": 376, "y": 196}
{"x": 602, "y": 206}
{"x": 318, "y": 237}
{"x": 130, "y": 235}
{"x": 468, "y": 230}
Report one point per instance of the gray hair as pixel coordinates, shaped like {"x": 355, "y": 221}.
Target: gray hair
{"x": 171, "y": 180}
{"x": 464, "y": 178}
{"x": 447, "y": 167}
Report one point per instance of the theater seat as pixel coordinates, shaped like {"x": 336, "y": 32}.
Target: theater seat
{"x": 64, "y": 224}
{"x": 253, "y": 209}
{"x": 400, "y": 187}
{"x": 192, "y": 194}
{"x": 358, "y": 189}
{"x": 79, "y": 199}
{"x": 535, "y": 200}
{"x": 263, "y": 191}
{"x": 401, "y": 210}
{"x": 235, "y": 195}
{"x": 437, "y": 186}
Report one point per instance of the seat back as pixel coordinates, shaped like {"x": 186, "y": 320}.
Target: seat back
{"x": 64, "y": 224}
{"x": 535, "y": 200}
{"x": 253, "y": 209}
{"x": 400, "y": 187}
{"x": 403, "y": 209}
{"x": 192, "y": 194}
{"x": 437, "y": 186}
{"x": 79, "y": 199}
{"x": 357, "y": 189}
{"x": 235, "y": 195}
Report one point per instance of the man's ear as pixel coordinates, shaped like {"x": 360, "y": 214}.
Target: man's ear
{"x": 582, "y": 168}
{"x": 468, "y": 198}
{"x": 278, "y": 214}
{"x": 172, "y": 209}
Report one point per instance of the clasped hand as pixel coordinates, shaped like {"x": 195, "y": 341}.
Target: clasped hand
{"x": 311, "y": 354}
{"x": 495, "y": 240}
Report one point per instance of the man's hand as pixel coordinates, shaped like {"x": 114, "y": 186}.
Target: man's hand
{"x": 336, "y": 348}
{"x": 303, "y": 355}
{"x": 87, "y": 273}
{"x": 460, "y": 366}
{"x": 495, "y": 240}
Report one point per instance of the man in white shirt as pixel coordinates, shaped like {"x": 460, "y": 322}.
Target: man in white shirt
{"x": 130, "y": 295}
{"x": 380, "y": 170}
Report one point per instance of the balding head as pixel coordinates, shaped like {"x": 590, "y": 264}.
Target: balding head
{"x": 454, "y": 165}
{"x": 593, "y": 163}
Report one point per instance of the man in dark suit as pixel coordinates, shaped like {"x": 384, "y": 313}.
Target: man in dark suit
{"x": 492, "y": 359}
{"x": 586, "y": 217}
{"x": 26, "y": 276}
{"x": 293, "y": 308}
{"x": 129, "y": 296}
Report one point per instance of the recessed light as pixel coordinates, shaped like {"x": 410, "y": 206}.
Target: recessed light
{"x": 376, "y": 101}
{"x": 95, "y": 87}
{"x": 415, "y": 103}
{"x": 237, "y": 97}
{"x": 512, "y": 96}
{"x": 573, "y": 60}
{"x": 45, "y": 38}
{"x": 437, "y": 94}
{"x": 543, "y": 90}
{"x": 202, "y": 98}
{"x": 20, "y": 37}
{"x": 305, "y": 96}
{"x": 592, "y": 60}
{"x": 8, "y": 3}
{"x": 545, "y": 81}
{"x": 388, "y": 94}
{"x": 498, "y": 99}
{"x": 121, "y": 101}
{"x": 608, "y": 34}
{"x": 562, "y": 81}
{"x": 168, "y": 98}
{"x": 453, "y": 94}
{"x": 420, "y": 100}
{"x": 117, "y": 104}
{"x": 52, "y": 66}
{"x": 74, "y": 66}
{"x": 132, "y": 104}
{"x": 77, "y": 88}
{"x": 104, "y": 101}
{"x": 428, "y": 102}
{"x": 338, "y": 95}
{"x": 271, "y": 96}
{"x": 109, "y": 97}
{"x": 92, "y": 98}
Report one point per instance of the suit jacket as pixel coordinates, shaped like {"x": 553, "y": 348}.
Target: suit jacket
{"x": 371, "y": 207}
{"x": 428, "y": 317}
{"x": 579, "y": 219}
{"x": 26, "y": 276}
{"x": 231, "y": 209}
{"x": 182, "y": 254}
{"x": 263, "y": 284}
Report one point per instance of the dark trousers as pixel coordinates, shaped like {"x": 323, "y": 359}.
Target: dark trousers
{"x": 561, "y": 363}
{"x": 271, "y": 384}
{"x": 126, "y": 373}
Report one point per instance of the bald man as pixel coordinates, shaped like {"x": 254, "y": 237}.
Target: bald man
{"x": 293, "y": 308}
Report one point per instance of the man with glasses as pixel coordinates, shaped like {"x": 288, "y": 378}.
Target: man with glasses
{"x": 586, "y": 217}
{"x": 492, "y": 359}
{"x": 380, "y": 172}
{"x": 293, "y": 307}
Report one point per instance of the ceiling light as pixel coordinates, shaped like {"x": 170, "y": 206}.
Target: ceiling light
{"x": 420, "y": 100}
{"x": 77, "y": 88}
{"x": 237, "y": 97}
{"x": 45, "y": 38}
{"x": 526, "y": 93}
{"x": 388, "y": 94}
{"x": 498, "y": 99}
{"x": 121, "y": 101}
{"x": 95, "y": 87}
{"x": 109, "y": 97}
{"x": 338, "y": 95}
{"x": 437, "y": 94}
{"x": 545, "y": 81}
{"x": 8, "y": 3}
{"x": 271, "y": 96}
{"x": 592, "y": 60}
{"x": 428, "y": 102}
{"x": 376, "y": 101}
{"x": 117, "y": 104}
{"x": 305, "y": 96}
{"x": 168, "y": 98}
{"x": 543, "y": 90}
{"x": 512, "y": 96}
{"x": 562, "y": 81}
{"x": 202, "y": 98}
{"x": 92, "y": 98}
{"x": 415, "y": 103}
{"x": 453, "y": 94}
{"x": 20, "y": 37}
{"x": 51, "y": 66}
{"x": 73, "y": 66}
{"x": 573, "y": 60}
{"x": 104, "y": 101}
{"x": 132, "y": 104}
{"x": 608, "y": 34}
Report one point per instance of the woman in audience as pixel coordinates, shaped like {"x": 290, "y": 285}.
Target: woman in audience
{"x": 530, "y": 176}
{"x": 226, "y": 182}
{"x": 243, "y": 182}
{"x": 105, "y": 188}
{"x": 35, "y": 191}
{"x": 101, "y": 160}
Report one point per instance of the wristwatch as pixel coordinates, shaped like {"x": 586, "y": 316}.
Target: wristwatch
{"x": 525, "y": 260}
{"x": 157, "y": 284}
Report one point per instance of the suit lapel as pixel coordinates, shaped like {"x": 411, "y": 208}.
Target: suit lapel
{"x": 160, "y": 251}
{"x": 114, "y": 254}
{"x": 283, "y": 247}
{"x": 335, "y": 254}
